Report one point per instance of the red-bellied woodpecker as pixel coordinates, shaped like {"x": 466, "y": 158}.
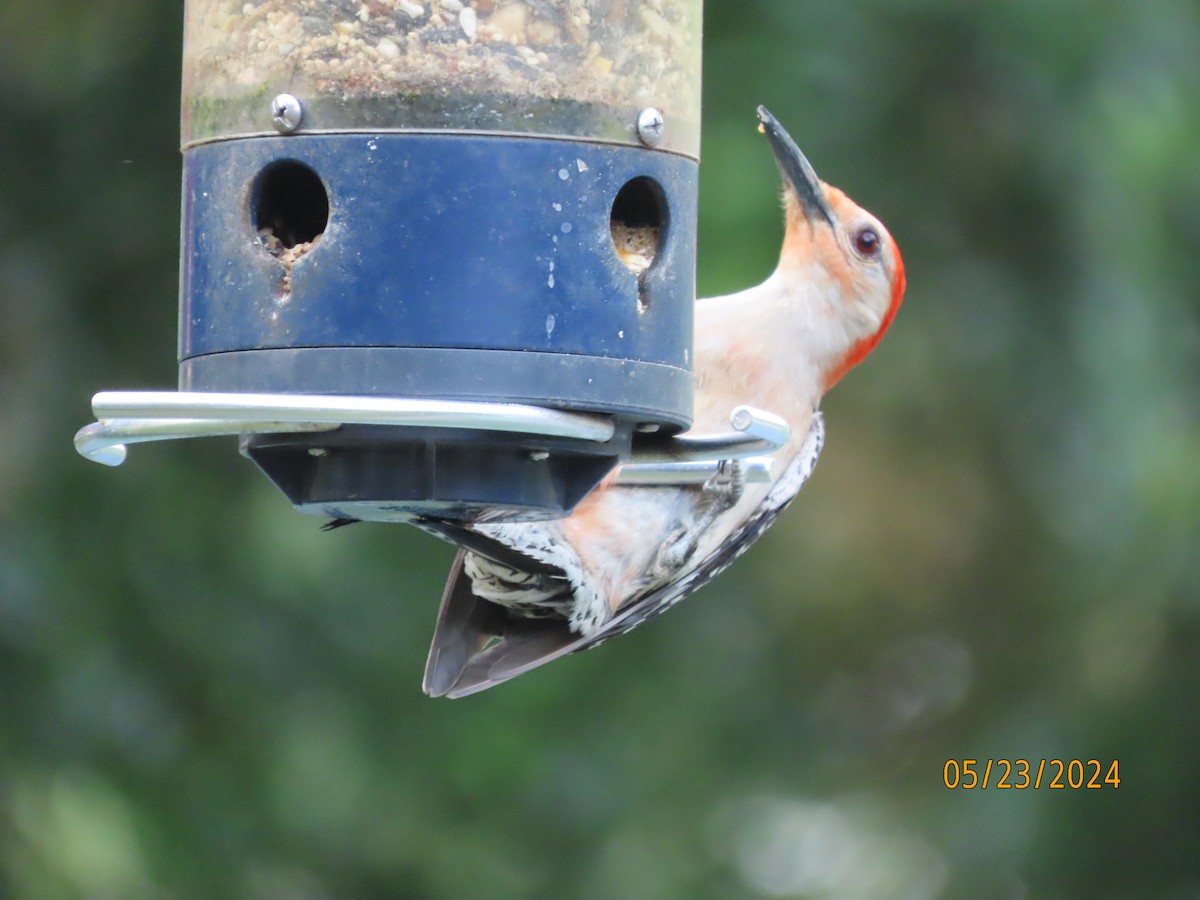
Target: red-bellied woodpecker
{"x": 522, "y": 594}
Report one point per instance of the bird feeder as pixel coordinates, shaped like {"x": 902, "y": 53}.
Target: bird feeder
{"x": 437, "y": 257}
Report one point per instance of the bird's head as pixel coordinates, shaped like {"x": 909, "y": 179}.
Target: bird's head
{"x": 846, "y": 260}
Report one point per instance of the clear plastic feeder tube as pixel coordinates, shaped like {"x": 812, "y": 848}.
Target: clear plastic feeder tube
{"x": 573, "y": 68}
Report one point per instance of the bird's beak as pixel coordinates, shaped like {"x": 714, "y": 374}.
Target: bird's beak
{"x": 797, "y": 171}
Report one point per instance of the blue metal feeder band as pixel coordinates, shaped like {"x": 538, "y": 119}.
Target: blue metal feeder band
{"x": 453, "y": 266}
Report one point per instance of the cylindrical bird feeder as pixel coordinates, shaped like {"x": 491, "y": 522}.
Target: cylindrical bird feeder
{"x": 438, "y": 257}
{"x": 446, "y": 200}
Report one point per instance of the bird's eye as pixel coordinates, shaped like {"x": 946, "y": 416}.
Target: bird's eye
{"x": 866, "y": 241}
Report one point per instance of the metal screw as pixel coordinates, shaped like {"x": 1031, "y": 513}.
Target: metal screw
{"x": 539, "y": 455}
{"x": 650, "y": 126}
{"x": 286, "y": 113}
{"x": 647, "y": 427}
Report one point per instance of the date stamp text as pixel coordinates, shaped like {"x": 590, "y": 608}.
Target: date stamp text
{"x": 1024, "y": 774}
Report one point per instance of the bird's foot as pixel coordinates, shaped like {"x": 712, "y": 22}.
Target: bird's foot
{"x": 718, "y": 495}
{"x": 726, "y": 485}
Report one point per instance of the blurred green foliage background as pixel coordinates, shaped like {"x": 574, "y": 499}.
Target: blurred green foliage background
{"x": 203, "y": 695}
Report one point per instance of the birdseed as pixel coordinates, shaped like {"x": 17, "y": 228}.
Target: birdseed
{"x": 574, "y": 67}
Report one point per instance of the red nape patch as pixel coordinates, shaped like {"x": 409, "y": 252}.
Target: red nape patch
{"x": 862, "y": 349}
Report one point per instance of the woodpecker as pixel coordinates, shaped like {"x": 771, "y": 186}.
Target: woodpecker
{"x": 522, "y": 594}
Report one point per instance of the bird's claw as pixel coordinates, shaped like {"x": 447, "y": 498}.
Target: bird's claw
{"x": 727, "y": 483}
{"x": 720, "y": 493}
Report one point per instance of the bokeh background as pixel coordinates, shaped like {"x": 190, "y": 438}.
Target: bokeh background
{"x": 201, "y": 694}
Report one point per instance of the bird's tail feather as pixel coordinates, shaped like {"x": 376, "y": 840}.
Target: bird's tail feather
{"x": 478, "y": 644}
